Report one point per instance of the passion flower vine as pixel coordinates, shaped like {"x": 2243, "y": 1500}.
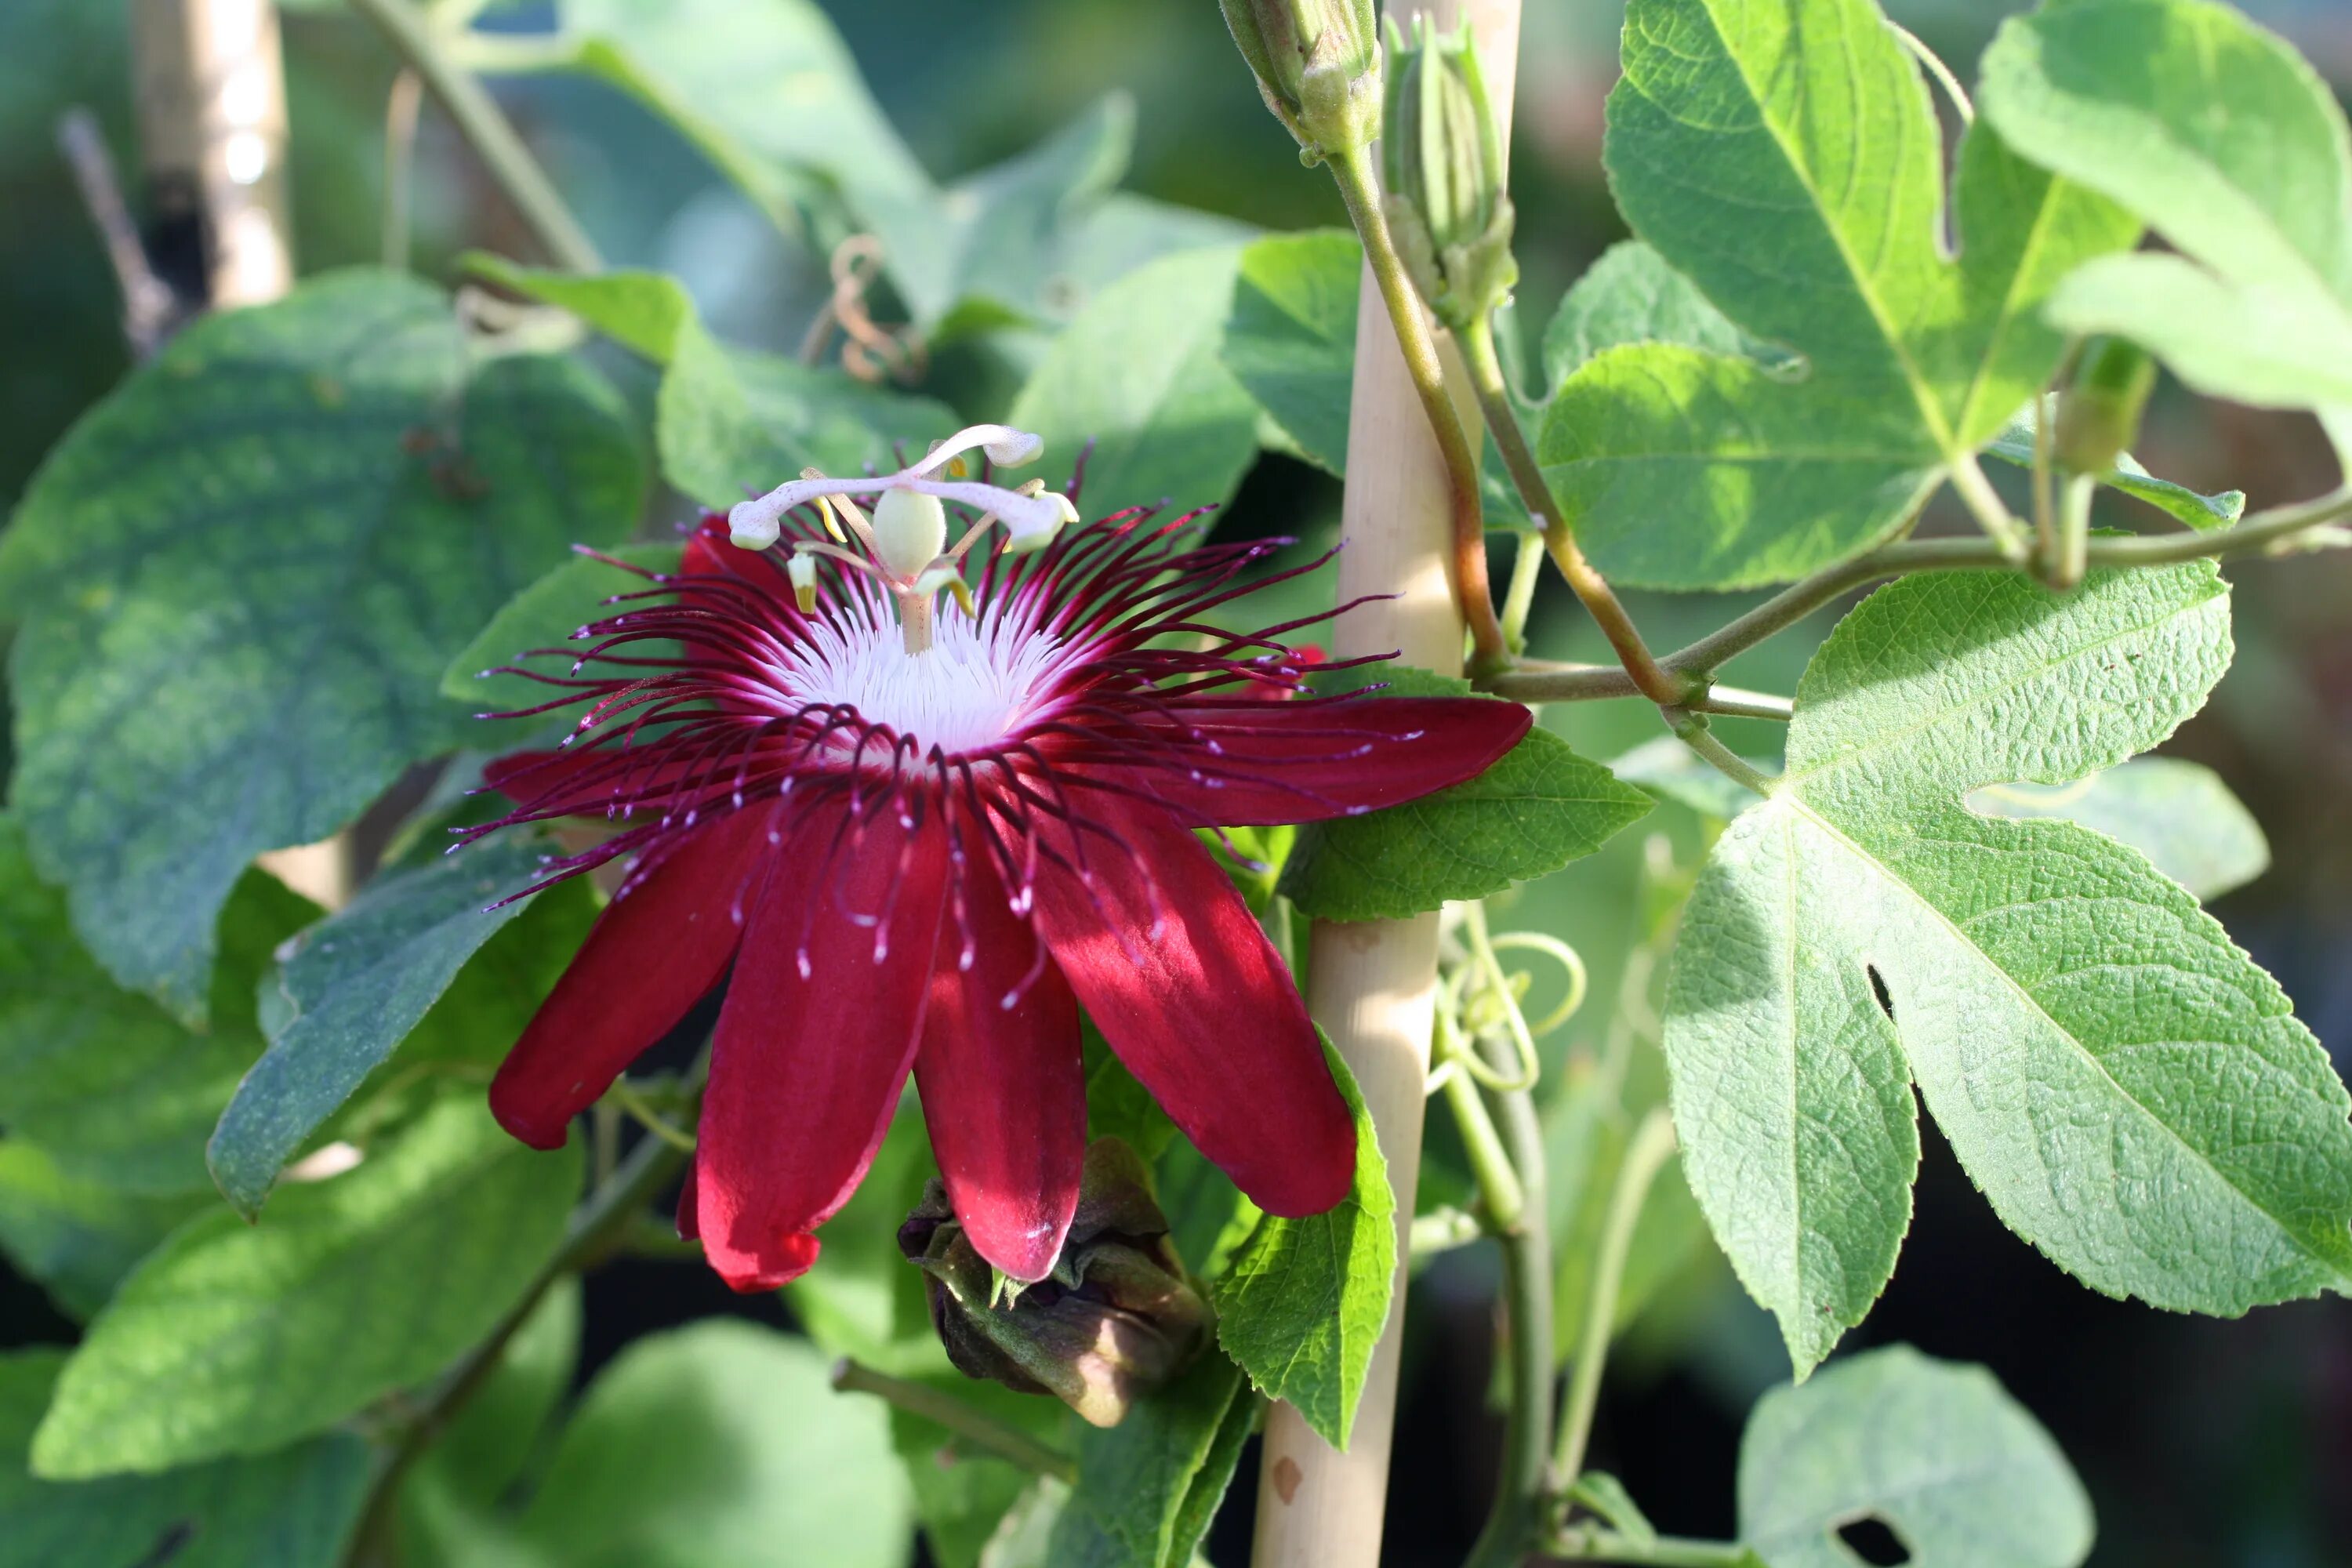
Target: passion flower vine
{"x": 925, "y": 830}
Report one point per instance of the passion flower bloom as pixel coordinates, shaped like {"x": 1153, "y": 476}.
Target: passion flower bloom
{"x": 924, "y": 831}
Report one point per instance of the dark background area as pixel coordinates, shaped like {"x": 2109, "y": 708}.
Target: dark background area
{"x": 2202, "y": 1442}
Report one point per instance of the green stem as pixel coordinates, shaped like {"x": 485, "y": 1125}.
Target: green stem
{"x": 1693, "y": 733}
{"x": 1353, "y": 171}
{"x": 1990, "y": 512}
{"x": 1500, "y": 1191}
{"x": 1599, "y": 598}
{"x": 488, "y": 130}
{"x": 974, "y": 1425}
{"x": 1652, "y": 1145}
{"x": 1526, "y": 571}
{"x": 1586, "y": 1543}
{"x": 596, "y": 1226}
{"x": 1442, "y": 1230}
{"x": 1534, "y": 680}
{"x": 2073, "y": 557}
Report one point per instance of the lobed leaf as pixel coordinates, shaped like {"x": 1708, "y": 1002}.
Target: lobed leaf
{"x": 2228, "y": 144}
{"x": 1963, "y": 1476}
{"x": 2132, "y": 1094}
{"x": 1784, "y": 157}
{"x": 2180, "y": 814}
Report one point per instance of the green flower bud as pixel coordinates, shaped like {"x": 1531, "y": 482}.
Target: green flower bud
{"x": 1447, "y": 208}
{"x": 2098, "y": 415}
{"x": 1116, "y": 1318}
{"x": 1319, "y": 67}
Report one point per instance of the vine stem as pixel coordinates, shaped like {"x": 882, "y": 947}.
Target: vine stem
{"x": 1653, "y": 1144}
{"x": 1654, "y": 682}
{"x": 1352, "y": 172}
{"x": 488, "y": 130}
{"x": 1515, "y": 1521}
{"x": 598, "y": 1223}
{"x": 2258, "y": 535}
{"x": 975, "y": 1426}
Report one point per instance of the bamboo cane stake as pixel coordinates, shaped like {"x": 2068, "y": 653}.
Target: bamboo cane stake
{"x": 1372, "y": 984}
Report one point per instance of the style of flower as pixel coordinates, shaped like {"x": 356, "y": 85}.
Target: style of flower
{"x": 924, "y": 832}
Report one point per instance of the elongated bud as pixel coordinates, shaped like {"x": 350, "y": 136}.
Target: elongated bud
{"x": 801, "y": 570}
{"x": 1447, "y": 208}
{"x": 1115, "y": 1319}
{"x": 1319, "y": 67}
{"x": 2098, "y": 415}
{"x": 911, "y": 529}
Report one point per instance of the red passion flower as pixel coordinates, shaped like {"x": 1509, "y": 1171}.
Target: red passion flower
{"x": 924, "y": 832}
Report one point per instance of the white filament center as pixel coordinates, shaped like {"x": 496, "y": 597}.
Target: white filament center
{"x": 979, "y": 682}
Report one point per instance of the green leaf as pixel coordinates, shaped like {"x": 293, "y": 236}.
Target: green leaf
{"x": 294, "y": 1508}
{"x": 234, "y": 1339}
{"x": 1290, "y": 339}
{"x": 2180, "y": 814}
{"x": 868, "y": 1303}
{"x": 1137, "y": 373}
{"x": 962, "y": 1493}
{"x": 1783, "y": 156}
{"x": 767, "y": 90}
{"x": 1304, "y": 1300}
{"x": 721, "y": 1442}
{"x": 2131, "y": 1094}
{"x": 1539, "y": 808}
{"x": 240, "y": 579}
{"x": 351, "y": 989}
{"x": 545, "y": 616}
{"x": 1669, "y": 770}
{"x": 2183, "y": 505}
{"x": 449, "y": 1503}
{"x": 1149, "y": 1487}
{"x": 117, "y": 1091}
{"x": 727, "y": 418}
{"x": 76, "y": 1237}
{"x": 1632, "y": 296}
{"x": 1936, "y": 1450}
{"x": 2233, "y": 149}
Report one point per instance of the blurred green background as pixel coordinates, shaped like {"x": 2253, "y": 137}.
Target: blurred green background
{"x": 2203, "y": 1443}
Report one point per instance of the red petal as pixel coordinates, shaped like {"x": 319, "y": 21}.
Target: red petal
{"x": 1202, "y": 1009}
{"x": 1279, "y": 762}
{"x": 653, "y": 953}
{"x": 1004, "y": 1091}
{"x": 806, "y": 1069}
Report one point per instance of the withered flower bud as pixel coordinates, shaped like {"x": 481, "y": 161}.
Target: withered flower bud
{"x": 1115, "y": 1319}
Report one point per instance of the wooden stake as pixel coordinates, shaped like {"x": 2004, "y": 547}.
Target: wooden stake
{"x": 1372, "y": 985}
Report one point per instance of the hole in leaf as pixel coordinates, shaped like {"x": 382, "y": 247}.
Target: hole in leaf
{"x": 1870, "y": 1538}
{"x": 1886, "y": 1005}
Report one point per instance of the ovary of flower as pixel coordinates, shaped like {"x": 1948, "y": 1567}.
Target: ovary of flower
{"x": 1029, "y": 520}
